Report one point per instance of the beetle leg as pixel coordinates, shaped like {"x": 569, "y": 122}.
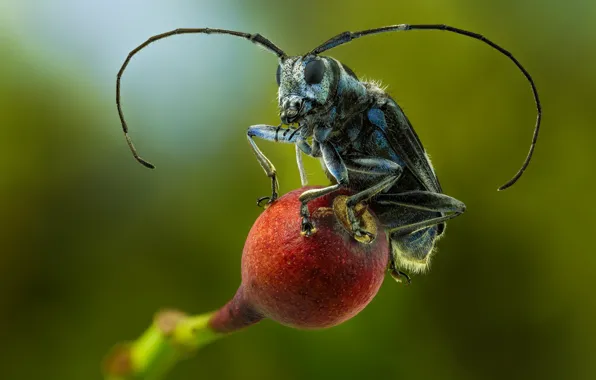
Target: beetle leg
{"x": 398, "y": 275}
{"x": 413, "y": 232}
{"x": 302, "y": 146}
{"x": 270, "y": 133}
{"x": 338, "y": 170}
{"x": 370, "y": 166}
{"x": 424, "y": 201}
{"x": 305, "y": 147}
{"x": 303, "y": 177}
{"x": 316, "y": 149}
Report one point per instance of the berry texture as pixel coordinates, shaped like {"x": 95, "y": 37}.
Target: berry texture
{"x": 310, "y": 282}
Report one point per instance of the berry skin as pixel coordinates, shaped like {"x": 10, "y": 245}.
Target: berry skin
{"x": 310, "y": 282}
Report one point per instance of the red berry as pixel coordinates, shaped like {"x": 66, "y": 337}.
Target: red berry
{"x": 310, "y": 282}
{"x": 307, "y": 282}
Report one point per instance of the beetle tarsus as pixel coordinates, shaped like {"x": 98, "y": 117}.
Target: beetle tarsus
{"x": 269, "y": 199}
{"x": 261, "y": 199}
{"x": 361, "y": 234}
{"x": 307, "y": 227}
{"x": 399, "y": 276}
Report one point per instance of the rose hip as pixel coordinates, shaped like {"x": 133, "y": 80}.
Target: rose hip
{"x": 305, "y": 282}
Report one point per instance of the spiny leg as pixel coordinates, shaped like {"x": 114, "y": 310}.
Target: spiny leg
{"x": 270, "y": 133}
{"x": 338, "y": 170}
{"x": 370, "y": 166}
{"x": 303, "y": 177}
{"x": 424, "y": 201}
{"x": 307, "y": 226}
{"x": 302, "y": 146}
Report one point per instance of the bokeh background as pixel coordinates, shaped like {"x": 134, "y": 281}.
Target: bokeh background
{"x": 92, "y": 243}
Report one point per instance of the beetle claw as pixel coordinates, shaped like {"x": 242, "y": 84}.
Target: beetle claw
{"x": 400, "y": 276}
{"x": 362, "y": 235}
{"x": 307, "y": 228}
{"x": 269, "y": 200}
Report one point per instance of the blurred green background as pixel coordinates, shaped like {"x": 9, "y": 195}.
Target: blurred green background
{"x": 92, "y": 243}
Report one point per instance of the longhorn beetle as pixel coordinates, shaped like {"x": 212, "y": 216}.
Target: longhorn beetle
{"x": 363, "y": 139}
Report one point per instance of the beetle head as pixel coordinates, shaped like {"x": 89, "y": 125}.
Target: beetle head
{"x": 304, "y": 86}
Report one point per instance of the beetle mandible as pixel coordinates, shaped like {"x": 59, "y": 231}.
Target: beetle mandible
{"x": 364, "y": 140}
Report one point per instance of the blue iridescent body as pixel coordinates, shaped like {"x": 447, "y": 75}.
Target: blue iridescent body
{"x": 365, "y": 143}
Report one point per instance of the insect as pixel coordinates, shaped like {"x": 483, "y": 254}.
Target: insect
{"x": 364, "y": 141}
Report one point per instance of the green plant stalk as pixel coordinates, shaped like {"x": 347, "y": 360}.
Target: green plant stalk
{"x": 171, "y": 337}
{"x": 174, "y": 336}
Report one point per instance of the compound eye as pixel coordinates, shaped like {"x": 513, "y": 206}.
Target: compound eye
{"x": 278, "y": 75}
{"x": 314, "y": 70}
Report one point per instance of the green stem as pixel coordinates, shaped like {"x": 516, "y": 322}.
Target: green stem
{"x": 174, "y": 336}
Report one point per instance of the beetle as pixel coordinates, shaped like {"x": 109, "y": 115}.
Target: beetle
{"x": 363, "y": 139}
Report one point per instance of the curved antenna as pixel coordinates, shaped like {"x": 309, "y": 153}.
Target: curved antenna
{"x": 346, "y": 37}
{"x": 254, "y": 38}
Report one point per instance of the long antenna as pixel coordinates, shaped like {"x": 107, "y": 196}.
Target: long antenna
{"x": 346, "y": 37}
{"x": 254, "y": 38}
